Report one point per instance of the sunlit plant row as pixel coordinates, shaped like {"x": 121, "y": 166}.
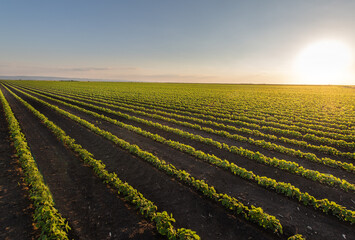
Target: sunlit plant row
{"x": 194, "y": 102}
{"x": 289, "y": 166}
{"x": 241, "y": 120}
{"x": 237, "y": 137}
{"x": 229, "y": 100}
{"x": 260, "y": 143}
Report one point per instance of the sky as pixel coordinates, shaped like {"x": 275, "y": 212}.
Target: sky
{"x": 253, "y": 41}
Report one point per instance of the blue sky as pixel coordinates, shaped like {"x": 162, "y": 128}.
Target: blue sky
{"x": 163, "y": 40}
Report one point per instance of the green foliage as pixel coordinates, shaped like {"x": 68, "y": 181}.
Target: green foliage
{"x": 296, "y": 237}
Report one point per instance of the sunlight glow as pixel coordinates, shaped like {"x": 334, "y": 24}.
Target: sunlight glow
{"x": 324, "y": 62}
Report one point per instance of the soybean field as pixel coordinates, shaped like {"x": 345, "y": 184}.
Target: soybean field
{"x": 124, "y": 160}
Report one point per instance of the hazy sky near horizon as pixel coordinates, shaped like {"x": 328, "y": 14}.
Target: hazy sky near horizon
{"x": 162, "y": 40}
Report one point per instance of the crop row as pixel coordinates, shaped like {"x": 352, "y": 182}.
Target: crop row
{"x": 321, "y": 148}
{"x": 253, "y": 117}
{"x": 267, "y": 126}
{"x": 46, "y": 217}
{"x": 289, "y": 166}
{"x": 245, "y": 108}
{"x": 164, "y": 221}
{"x": 286, "y": 189}
{"x": 253, "y": 214}
{"x": 260, "y": 143}
{"x": 111, "y": 95}
{"x": 296, "y": 129}
{"x": 270, "y": 126}
{"x": 332, "y": 139}
{"x": 260, "y": 114}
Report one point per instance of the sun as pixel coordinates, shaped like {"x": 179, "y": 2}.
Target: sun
{"x": 324, "y": 62}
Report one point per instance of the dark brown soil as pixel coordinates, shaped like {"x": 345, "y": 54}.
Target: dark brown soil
{"x": 293, "y": 216}
{"x": 15, "y": 206}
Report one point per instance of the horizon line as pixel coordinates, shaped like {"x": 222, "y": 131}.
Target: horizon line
{"x": 48, "y": 78}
